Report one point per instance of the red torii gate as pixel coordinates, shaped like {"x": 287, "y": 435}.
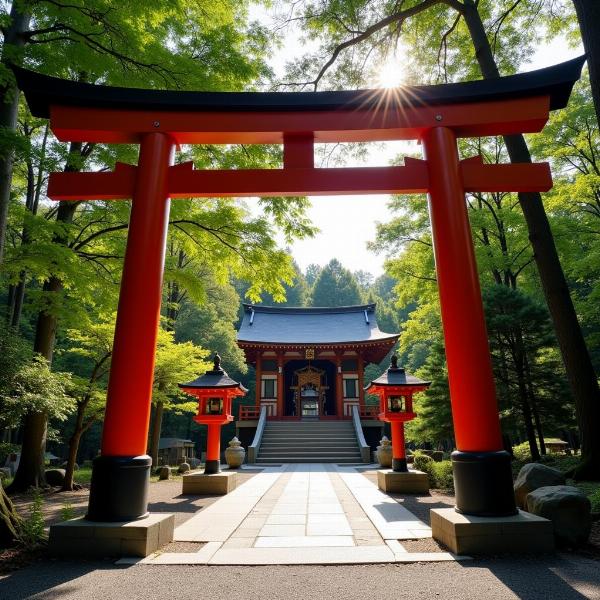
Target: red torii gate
{"x": 161, "y": 120}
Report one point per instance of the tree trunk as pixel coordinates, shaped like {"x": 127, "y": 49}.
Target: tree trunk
{"x": 525, "y": 408}
{"x": 31, "y": 465}
{"x": 74, "y": 447}
{"x": 9, "y": 108}
{"x": 534, "y": 407}
{"x": 10, "y": 522}
{"x": 588, "y": 15}
{"x": 156, "y": 427}
{"x": 575, "y": 356}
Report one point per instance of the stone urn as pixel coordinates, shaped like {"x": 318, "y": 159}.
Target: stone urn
{"x": 235, "y": 454}
{"x": 384, "y": 452}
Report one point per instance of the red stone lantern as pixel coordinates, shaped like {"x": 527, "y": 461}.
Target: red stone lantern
{"x": 215, "y": 391}
{"x": 395, "y": 389}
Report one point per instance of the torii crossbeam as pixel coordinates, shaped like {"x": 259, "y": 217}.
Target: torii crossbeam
{"x": 436, "y": 115}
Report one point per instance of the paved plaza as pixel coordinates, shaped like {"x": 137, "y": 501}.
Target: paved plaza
{"x": 301, "y": 514}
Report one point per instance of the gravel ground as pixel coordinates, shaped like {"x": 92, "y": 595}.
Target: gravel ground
{"x": 561, "y": 577}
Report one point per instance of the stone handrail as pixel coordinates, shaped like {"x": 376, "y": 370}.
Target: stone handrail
{"x": 260, "y": 428}
{"x": 365, "y": 449}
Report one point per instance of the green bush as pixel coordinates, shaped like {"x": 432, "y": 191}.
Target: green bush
{"x": 422, "y": 462}
{"x": 33, "y": 533}
{"x": 442, "y": 475}
{"x": 595, "y": 500}
{"x": 7, "y": 448}
{"x": 522, "y": 452}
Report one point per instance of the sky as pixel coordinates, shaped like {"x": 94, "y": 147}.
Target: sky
{"x": 347, "y": 223}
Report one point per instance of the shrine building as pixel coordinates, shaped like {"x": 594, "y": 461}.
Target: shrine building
{"x": 310, "y": 362}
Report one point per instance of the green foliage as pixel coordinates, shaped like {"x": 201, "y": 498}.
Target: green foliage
{"x": 32, "y": 531}
{"x": 522, "y": 453}
{"x": 38, "y": 389}
{"x": 176, "y": 363}
{"x": 335, "y": 286}
{"x": 7, "y": 448}
{"x": 441, "y": 473}
{"x": 422, "y": 462}
{"x": 66, "y": 512}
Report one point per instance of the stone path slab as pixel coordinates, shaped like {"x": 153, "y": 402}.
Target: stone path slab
{"x": 392, "y": 520}
{"x": 302, "y": 514}
{"x": 220, "y": 520}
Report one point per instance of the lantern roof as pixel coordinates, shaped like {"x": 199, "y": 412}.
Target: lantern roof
{"x": 397, "y": 376}
{"x": 217, "y": 379}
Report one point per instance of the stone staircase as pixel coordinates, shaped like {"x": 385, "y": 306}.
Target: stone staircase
{"x": 309, "y": 442}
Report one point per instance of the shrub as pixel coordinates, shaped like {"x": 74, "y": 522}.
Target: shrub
{"x": 7, "y": 448}
{"x": 595, "y": 500}
{"x": 522, "y": 452}
{"x": 442, "y": 475}
{"x": 422, "y": 462}
{"x": 32, "y": 532}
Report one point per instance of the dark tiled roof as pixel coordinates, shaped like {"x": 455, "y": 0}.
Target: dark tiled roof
{"x": 284, "y": 325}
{"x": 217, "y": 378}
{"x": 395, "y": 375}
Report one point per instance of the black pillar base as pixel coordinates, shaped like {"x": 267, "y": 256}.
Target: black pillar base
{"x": 399, "y": 465}
{"x": 483, "y": 483}
{"x": 119, "y": 489}
{"x": 212, "y": 466}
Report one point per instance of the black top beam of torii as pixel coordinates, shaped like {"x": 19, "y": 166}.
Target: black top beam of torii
{"x": 42, "y": 92}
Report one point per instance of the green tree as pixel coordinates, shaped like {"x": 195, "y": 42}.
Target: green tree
{"x": 38, "y": 390}
{"x": 93, "y": 343}
{"x": 520, "y": 333}
{"x": 175, "y": 363}
{"x": 434, "y": 415}
{"x": 335, "y": 286}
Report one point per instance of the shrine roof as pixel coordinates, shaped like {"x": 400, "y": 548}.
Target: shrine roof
{"x": 324, "y": 325}
{"x": 43, "y": 91}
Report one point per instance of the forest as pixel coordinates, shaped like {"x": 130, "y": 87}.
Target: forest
{"x": 60, "y": 262}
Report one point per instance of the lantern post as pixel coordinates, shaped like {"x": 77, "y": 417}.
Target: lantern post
{"x": 215, "y": 391}
{"x": 395, "y": 389}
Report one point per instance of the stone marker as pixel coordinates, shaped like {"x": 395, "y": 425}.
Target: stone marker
{"x": 55, "y": 476}
{"x": 164, "y": 473}
{"x": 533, "y": 476}
{"x": 235, "y": 454}
{"x": 184, "y": 467}
{"x": 384, "y": 452}
{"x": 568, "y": 508}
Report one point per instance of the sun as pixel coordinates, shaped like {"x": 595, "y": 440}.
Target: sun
{"x": 390, "y": 74}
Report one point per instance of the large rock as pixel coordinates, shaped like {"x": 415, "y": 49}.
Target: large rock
{"x": 568, "y": 508}
{"x": 183, "y": 467}
{"x": 55, "y": 476}
{"x": 533, "y": 476}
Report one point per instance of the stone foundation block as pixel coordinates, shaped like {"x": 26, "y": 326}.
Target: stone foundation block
{"x": 215, "y": 483}
{"x": 91, "y": 539}
{"x": 466, "y": 534}
{"x": 411, "y": 482}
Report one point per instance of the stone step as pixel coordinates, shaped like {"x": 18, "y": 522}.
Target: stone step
{"x": 275, "y": 461}
{"x": 308, "y": 452}
{"x": 320, "y": 443}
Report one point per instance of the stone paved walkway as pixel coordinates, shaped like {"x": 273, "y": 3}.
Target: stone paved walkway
{"x": 301, "y": 514}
